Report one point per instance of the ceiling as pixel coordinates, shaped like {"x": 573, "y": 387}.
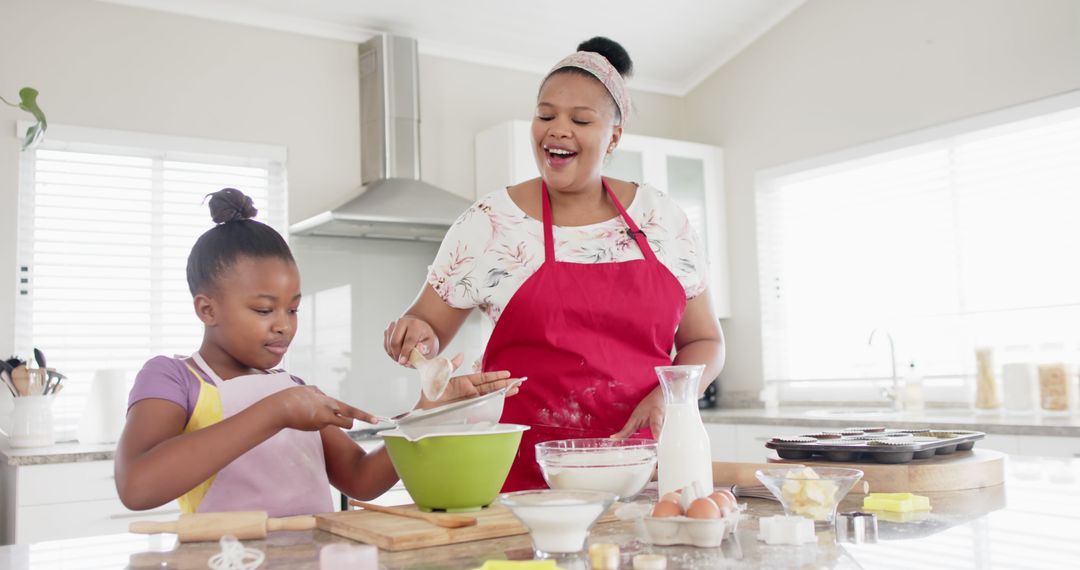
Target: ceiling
{"x": 675, "y": 44}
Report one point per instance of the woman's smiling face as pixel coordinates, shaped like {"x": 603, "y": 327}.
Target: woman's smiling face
{"x": 573, "y": 130}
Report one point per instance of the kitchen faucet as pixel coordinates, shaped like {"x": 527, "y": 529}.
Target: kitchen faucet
{"x": 894, "y": 393}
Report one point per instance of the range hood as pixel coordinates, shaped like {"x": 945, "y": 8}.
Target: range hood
{"x": 393, "y": 202}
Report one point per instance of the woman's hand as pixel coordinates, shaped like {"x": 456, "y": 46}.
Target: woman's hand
{"x": 470, "y": 386}
{"x": 648, "y": 413}
{"x": 306, "y": 408}
{"x": 406, "y": 333}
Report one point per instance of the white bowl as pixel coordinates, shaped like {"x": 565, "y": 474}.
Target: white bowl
{"x": 558, "y": 521}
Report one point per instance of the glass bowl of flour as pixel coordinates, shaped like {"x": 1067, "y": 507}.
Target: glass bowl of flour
{"x": 619, "y": 466}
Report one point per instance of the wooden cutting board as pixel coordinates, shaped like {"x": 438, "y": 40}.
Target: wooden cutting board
{"x": 390, "y": 532}
{"x": 973, "y": 469}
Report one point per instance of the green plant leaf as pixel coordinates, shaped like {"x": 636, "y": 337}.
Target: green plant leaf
{"x": 28, "y": 103}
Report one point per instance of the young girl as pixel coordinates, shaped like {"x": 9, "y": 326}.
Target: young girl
{"x": 223, "y": 430}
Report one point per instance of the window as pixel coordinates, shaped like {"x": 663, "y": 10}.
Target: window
{"x": 958, "y": 237}
{"x": 106, "y": 221}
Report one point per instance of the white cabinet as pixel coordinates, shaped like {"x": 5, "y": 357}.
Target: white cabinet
{"x": 691, "y": 173}
{"x": 65, "y": 500}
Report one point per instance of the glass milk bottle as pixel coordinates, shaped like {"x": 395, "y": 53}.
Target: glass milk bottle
{"x": 683, "y": 451}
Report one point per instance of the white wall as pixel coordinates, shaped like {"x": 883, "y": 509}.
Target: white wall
{"x": 115, "y": 67}
{"x": 839, "y": 73}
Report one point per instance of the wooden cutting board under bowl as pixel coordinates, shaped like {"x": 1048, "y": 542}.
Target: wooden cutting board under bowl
{"x": 973, "y": 469}
{"x": 392, "y": 532}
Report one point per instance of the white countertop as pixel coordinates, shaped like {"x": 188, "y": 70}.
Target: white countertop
{"x": 993, "y": 423}
{"x": 826, "y": 417}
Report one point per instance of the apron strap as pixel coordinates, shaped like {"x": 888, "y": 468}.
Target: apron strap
{"x": 201, "y": 363}
{"x": 549, "y": 234}
{"x": 635, "y": 232}
{"x": 638, "y": 235}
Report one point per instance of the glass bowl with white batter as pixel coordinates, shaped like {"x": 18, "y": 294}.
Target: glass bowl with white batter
{"x": 619, "y": 466}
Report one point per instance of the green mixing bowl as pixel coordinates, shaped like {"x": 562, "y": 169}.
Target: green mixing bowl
{"x": 457, "y": 469}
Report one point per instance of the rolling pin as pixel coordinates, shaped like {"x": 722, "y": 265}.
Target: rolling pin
{"x": 212, "y": 526}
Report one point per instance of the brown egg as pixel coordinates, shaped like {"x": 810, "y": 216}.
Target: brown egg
{"x": 672, "y": 497}
{"x": 703, "y": 508}
{"x": 665, "y": 509}
{"x": 724, "y": 499}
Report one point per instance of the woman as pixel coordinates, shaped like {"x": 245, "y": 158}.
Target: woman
{"x": 586, "y": 298}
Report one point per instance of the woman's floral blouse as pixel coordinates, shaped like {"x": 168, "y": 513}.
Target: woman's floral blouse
{"x": 494, "y": 247}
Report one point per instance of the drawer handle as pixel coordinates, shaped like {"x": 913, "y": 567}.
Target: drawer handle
{"x": 122, "y": 516}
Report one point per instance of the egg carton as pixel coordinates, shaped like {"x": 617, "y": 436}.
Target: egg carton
{"x": 874, "y": 444}
{"x": 683, "y": 530}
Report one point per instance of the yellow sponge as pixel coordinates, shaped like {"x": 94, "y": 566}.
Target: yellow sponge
{"x": 519, "y": 565}
{"x": 895, "y": 502}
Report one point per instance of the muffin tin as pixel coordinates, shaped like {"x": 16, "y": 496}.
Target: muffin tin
{"x": 874, "y": 444}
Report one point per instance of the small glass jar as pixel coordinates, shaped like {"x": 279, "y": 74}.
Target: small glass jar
{"x": 1056, "y": 391}
{"x": 1019, "y": 380}
{"x": 986, "y": 389}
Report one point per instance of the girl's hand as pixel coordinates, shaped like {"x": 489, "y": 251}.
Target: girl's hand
{"x": 648, "y": 413}
{"x": 306, "y": 408}
{"x": 406, "y": 333}
{"x": 470, "y": 386}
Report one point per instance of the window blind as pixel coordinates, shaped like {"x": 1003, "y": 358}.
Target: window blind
{"x": 104, "y": 233}
{"x": 962, "y": 241}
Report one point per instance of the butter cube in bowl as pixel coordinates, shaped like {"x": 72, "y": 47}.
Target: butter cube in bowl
{"x": 811, "y": 492}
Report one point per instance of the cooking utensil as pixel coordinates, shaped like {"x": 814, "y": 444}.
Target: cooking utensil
{"x": 752, "y": 492}
{"x": 486, "y": 408}
{"x": 445, "y": 521}
{"x": 39, "y": 357}
{"x": 5, "y": 377}
{"x": 53, "y": 383}
{"x": 21, "y": 379}
{"x": 197, "y": 527}
{"x": 434, "y": 373}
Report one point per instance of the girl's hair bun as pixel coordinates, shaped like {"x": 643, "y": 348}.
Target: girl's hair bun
{"x": 612, "y": 51}
{"x": 231, "y": 205}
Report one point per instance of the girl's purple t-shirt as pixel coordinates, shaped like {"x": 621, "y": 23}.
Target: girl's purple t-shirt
{"x": 166, "y": 378}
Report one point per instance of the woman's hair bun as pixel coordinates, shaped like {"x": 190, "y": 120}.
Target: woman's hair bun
{"x": 231, "y": 205}
{"x": 612, "y": 51}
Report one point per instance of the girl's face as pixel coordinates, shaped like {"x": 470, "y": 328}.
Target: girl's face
{"x": 573, "y": 130}
{"x": 251, "y": 313}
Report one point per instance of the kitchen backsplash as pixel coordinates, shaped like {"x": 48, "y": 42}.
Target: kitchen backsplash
{"x": 352, "y": 289}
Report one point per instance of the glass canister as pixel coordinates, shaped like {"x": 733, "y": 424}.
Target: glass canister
{"x": 1019, "y": 380}
{"x": 986, "y": 389}
{"x": 683, "y": 452}
{"x": 1056, "y": 391}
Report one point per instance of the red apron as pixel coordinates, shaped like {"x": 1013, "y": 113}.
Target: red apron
{"x": 588, "y": 337}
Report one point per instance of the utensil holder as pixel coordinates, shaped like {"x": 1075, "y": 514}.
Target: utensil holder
{"x": 32, "y": 422}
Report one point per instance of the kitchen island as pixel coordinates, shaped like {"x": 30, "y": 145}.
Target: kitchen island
{"x": 1030, "y": 522}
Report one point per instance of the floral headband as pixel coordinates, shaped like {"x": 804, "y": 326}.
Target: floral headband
{"x": 601, "y": 68}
